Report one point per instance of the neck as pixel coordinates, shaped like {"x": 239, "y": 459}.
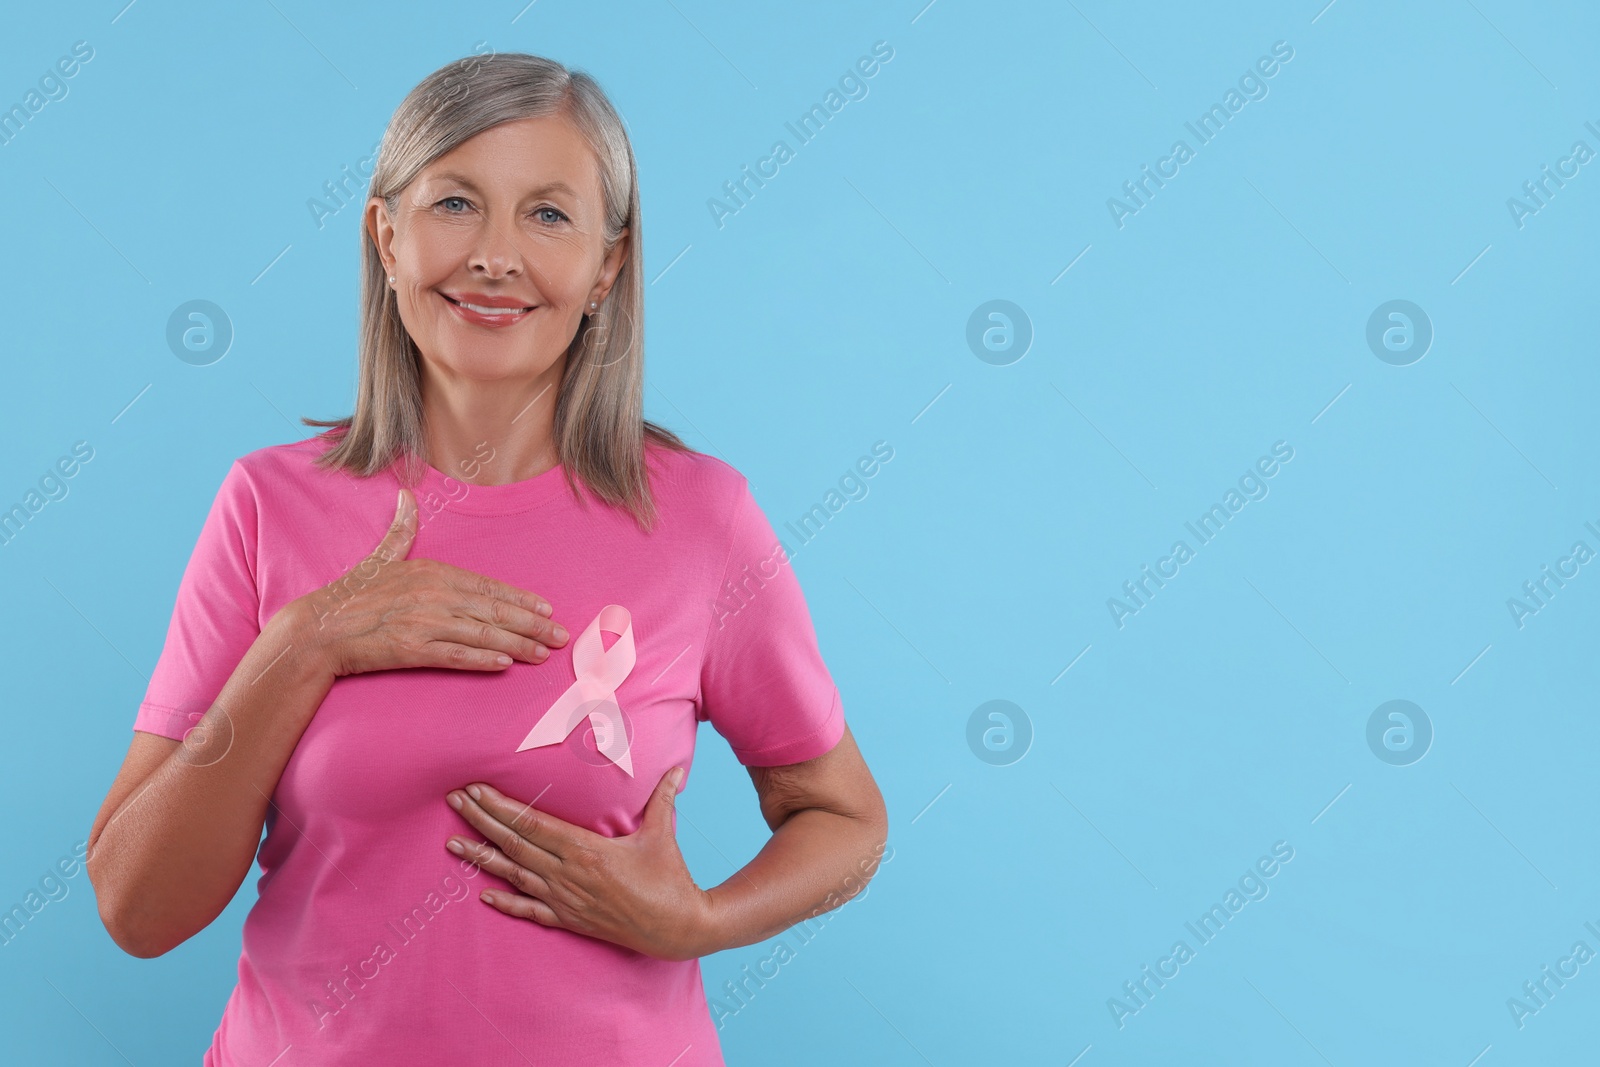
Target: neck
{"x": 491, "y": 433}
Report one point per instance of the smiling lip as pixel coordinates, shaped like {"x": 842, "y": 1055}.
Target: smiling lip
{"x": 485, "y": 310}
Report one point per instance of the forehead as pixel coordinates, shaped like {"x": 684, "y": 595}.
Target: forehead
{"x": 546, "y": 154}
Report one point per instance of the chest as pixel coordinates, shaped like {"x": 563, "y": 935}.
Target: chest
{"x": 384, "y": 747}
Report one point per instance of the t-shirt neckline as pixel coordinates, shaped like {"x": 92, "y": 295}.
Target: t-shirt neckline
{"x": 458, "y": 494}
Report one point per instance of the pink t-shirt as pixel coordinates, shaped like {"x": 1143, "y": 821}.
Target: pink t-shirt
{"x": 368, "y": 943}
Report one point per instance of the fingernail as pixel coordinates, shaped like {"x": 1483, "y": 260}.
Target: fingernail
{"x": 454, "y": 801}
{"x": 543, "y": 608}
{"x": 475, "y": 792}
{"x": 677, "y": 777}
{"x": 455, "y": 846}
{"x": 560, "y": 632}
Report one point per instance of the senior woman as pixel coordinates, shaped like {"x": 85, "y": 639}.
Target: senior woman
{"x": 451, "y": 653}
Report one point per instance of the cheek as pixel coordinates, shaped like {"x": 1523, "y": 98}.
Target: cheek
{"x": 419, "y": 319}
{"x": 418, "y": 307}
{"x": 564, "y": 272}
{"x": 433, "y": 254}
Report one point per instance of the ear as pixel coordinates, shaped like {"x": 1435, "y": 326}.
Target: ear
{"x": 613, "y": 266}
{"x": 381, "y": 229}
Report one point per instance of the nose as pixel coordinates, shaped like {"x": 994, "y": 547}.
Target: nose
{"x": 495, "y": 255}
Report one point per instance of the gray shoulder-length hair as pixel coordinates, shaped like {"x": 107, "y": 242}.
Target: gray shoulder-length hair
{"x": 600, "y": 430}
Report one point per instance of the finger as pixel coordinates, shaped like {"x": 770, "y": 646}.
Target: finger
{"x": 475, "y": 633}
{"x": 522, "y": 850}
{"x": 449, "y": 655}
{"x": 482, "y": 585}
{"x": 537, "y": 630}
{"x": 491, "y": 859}
{"x": 396, "y": 543}
{"x": 557, "y": 836}
{"x": 522, "y": 907}
{"x": 658, "y": 811}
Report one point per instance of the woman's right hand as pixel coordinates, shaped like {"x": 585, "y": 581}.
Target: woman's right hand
{"x": 388, "y": 611}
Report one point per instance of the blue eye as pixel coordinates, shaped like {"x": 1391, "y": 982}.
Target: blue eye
{"x": 543, "y": 213}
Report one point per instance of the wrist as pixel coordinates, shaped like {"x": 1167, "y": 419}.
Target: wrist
{"x": 707, "y": 926}
{"x": 297, "y": 634}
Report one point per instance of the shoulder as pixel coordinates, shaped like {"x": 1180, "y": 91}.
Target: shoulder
{"x": 275, "y": 470}
{"x": 694, "y": 480}
{"x": 708, "y": 501}
{"x": 292, "y": 457}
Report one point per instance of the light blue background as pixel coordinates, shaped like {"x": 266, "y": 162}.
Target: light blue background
{"x": 831, "y": 312}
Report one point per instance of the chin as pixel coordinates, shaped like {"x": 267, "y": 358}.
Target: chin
{"x": 499, "y": 365}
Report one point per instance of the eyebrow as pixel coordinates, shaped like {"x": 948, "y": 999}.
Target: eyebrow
{"x": 548, "y": 187}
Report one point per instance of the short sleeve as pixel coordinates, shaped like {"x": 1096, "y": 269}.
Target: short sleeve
{"x": 215, "y": 618}
{"x": 763, "y": 684}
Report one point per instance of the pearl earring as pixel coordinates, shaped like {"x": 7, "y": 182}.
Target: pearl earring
{"x": 391, "y": 279}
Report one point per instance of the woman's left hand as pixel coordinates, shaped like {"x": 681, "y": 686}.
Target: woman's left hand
{"x": 634, "y": 891}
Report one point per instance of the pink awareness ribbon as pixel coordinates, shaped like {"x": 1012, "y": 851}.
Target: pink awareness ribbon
{"x": 593, "y": 695}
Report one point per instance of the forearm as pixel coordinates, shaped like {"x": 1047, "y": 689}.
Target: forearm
{"x": 814, "y": 862}
{"x": 172, "y": 856}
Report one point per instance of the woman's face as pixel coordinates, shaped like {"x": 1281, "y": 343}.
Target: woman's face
{"x": 510, "y": 219}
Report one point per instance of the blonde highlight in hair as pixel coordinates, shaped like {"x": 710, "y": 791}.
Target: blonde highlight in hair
{"x": 599, "y": 427}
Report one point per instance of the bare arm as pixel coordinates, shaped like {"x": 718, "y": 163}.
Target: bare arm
{"x": 178, "y": 831}
{"x": 830, "y": 828}
{"x": 635, "y": 890}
